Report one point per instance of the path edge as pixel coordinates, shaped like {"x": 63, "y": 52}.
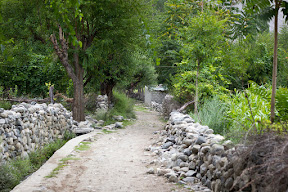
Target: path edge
{"x": 33, "y": 182}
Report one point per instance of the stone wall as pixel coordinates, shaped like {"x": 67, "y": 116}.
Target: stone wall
{"x": 169, "y": 105}
{"x": 190, "y": 153}
{"x": 27, "y": 127}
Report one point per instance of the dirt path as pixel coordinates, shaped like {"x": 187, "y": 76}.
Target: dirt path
{"x": 115, "y": 162}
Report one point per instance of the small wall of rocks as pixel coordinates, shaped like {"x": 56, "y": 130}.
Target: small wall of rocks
{"x": 169, "y": 104}
{"x": 191, "y": 154}
{"x": 102, "y": 102}
{"x": 27, "y": 127}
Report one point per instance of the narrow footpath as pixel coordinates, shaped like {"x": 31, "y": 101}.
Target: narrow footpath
{"x": 115, "y": 162}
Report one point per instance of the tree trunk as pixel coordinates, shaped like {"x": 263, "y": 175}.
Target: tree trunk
{"x": 78, "y": 85}
{"x": 196, "y": 89}
{"x": 78, "y": 101}
{"x": 107, "y": 89}
{"x": 75, "y": 71}
{"x": 274, "y": 76}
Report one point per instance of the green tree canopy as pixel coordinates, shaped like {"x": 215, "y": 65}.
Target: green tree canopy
{"x": 75, "y": 29}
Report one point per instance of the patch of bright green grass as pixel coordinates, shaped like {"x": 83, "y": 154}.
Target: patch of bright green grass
{"x": 106, "y": 131}
{"x": 61, "y": 165}
{"x": 83, "y": 146}
{"x": 140, "y": 108}
{"x": 127, "y": 123}
{"x": 122, "y": 106}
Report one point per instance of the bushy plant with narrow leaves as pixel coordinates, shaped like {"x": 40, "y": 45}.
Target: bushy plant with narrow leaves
{"x": 212, "y": 113}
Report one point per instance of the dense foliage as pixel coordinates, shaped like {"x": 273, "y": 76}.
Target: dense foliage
{"x": 220, "y": 56}
{"x": 207, "y": 51}
{"x": 93, "y": 43}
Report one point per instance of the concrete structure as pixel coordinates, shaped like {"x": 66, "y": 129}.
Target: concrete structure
{"x": 155, "y": 94}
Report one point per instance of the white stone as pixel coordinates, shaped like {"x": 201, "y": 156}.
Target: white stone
{"x": 2, "y": 121}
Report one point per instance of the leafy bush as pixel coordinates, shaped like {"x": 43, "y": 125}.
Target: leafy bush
{"x": 212, "y": 114}
{"x": 90, "y": 102}
{"x": 252, "y": 107}
{"x": 101, "y": 114}
{"x": 40, "y": 156}
{"x": 68, "y": 135}
{"x": 1, "y": 91}
{"x": 248, "y": 108}
{"x": 208, "y": 84}
{"x": 8, "y": 180}
{"x": 5, "y": 104}
{"x": 122, "y": 105}
{"x": 282, "y": 103}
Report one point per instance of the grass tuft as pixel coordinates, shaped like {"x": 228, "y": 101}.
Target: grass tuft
{"x": 61, "y": 165}
{"x": 83, "y": 146}
{"x": 140, "y": 107}
{"x": 212, "y": 114}
{"x": 106, "y": 131}
{"x": 127, "y": 123}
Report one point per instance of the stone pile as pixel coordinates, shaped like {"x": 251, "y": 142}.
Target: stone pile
{"x": 87, "y": 126}
{"x": 102, "y": 102}
{"x": 190, "y": 153}
{"x": 156, "y": 106}
{"x": 169, "y": 104}
{"x": 118, "y": 124}
{"x": 27, "y": 127}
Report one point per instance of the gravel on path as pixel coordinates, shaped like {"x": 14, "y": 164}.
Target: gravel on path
{"x": 115, "y": 162}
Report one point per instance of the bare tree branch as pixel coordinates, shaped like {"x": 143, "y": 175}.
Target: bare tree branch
{"x": 63, "y": 52}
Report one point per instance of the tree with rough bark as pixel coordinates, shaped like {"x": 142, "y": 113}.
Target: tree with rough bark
{"x": 87, "y": 22}
{"x": 270, "y": 9}
{"x": 73, "y": 28}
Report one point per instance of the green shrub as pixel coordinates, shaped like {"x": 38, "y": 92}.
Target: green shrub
{"x": 7, "y": 179}
{"x": 248, "y": 108}
{"x": 90, "y": 102}
{"x": 5, "y": 105}
{"x": 101, "y": 114}
{"x": 13, "y": 172}
{"x": 252, "y": 107}
{"x": 122, "y": 105}
{"x": 1, "y": 91}
{"x": 212, "y": 114}
{"x": 68, "y": 135}
{"x": 40, "y": 156}
{"x": 282, "y": 103}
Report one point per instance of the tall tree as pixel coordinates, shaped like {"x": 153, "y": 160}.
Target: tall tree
{"x": 73, "y": 27}
{"x": 175, "y": 16}
{"x": 203, "y": 42}
{"x": 270, "y": 9}
{"x": 87, "y": 20}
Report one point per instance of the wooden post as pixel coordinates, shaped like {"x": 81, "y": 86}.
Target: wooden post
{"x": 51, "y": 94}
